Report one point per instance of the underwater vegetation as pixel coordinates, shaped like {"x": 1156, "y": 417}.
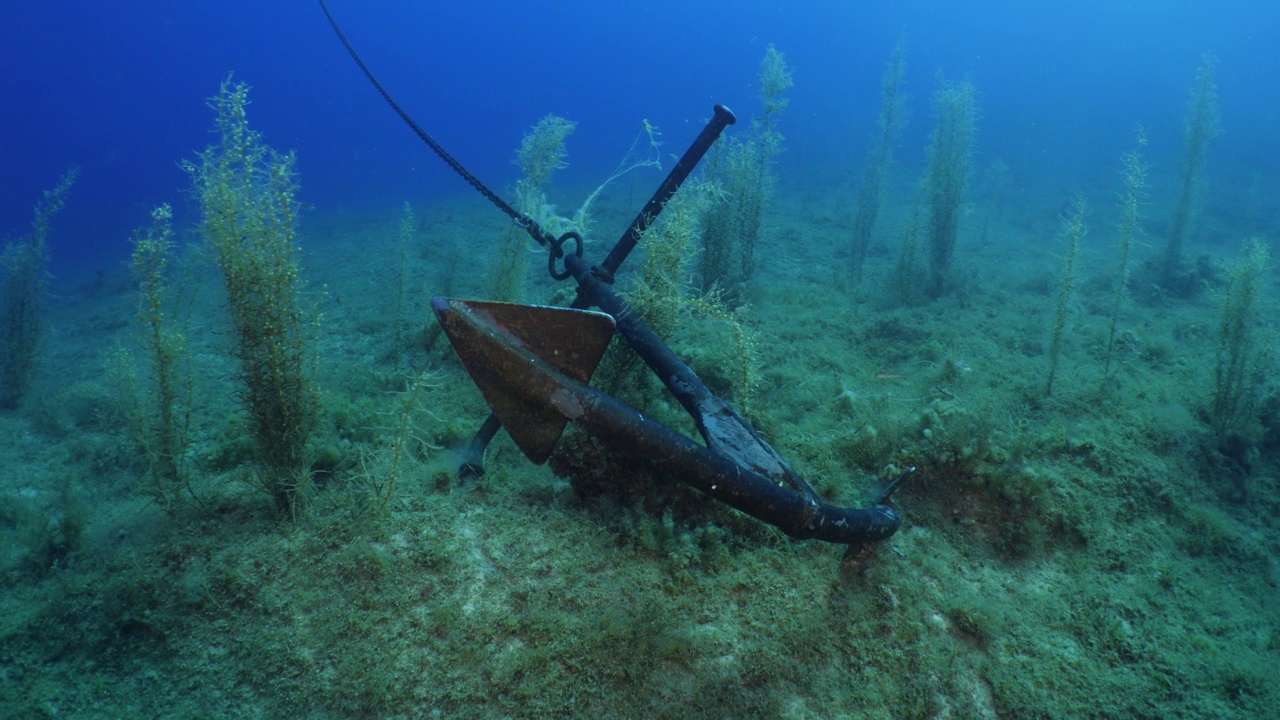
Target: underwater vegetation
{"x": 1202, "y": 127}
{"x": 243, "y": 500}
{"x": 156, "y": 404}
{"x": 890, "y": 123}
{"x": 22, "y": 289}
{"x": 950, "y": 154}
{"x": 741, "y": 171}
{"x": 249, "y": 219}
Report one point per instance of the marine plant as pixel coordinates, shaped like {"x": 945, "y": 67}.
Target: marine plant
{"x": 401, "y": 448}
{"x": 249, "y": 207}
{"x": 663, "y": 293}
{"x": 775, "y": 79}
{"x": 158, "y": 410}
{"x": 950, "y": 158}
{"x": 1073, "y": 230}
{"x": 1135, "y": 183}
{"x": 542, "y": 152}
{"x": 22, "y": 287}
{"x": 889, "y": 126}
{"x": 904, "y": 287}
{"x": 1203, "y": 126}
{"x": 660, "y": 286}
{"x": 1242, "y": 362}
{"x": 404, "y": 239}
{"x": 743, "y": 171}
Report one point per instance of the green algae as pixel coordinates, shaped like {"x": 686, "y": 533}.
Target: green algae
{"x": 1073, "y": 556}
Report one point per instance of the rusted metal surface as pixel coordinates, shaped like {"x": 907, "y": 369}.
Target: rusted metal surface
{"x": 500, "y": 344}
{"x": 534, "y": 396}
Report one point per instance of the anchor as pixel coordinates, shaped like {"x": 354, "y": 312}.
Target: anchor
{"x": 533, "y": 365}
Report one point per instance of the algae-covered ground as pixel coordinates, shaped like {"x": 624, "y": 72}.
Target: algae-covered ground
{"x": 1090, "y": 553}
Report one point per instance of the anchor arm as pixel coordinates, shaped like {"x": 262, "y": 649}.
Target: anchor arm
{"x": 721, "y": 427}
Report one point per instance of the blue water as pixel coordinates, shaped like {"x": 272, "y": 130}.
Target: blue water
{"x": 119, "y": 88}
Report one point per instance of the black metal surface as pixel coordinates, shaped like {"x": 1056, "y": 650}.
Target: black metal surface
{"x": 721, "y": 118}
{"x": 723, "y": 429}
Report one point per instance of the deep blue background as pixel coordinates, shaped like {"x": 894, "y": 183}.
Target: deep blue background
{"x": 119, "y": 89}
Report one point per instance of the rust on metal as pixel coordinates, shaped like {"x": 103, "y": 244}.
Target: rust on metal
{"x": 499, "y": 343}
